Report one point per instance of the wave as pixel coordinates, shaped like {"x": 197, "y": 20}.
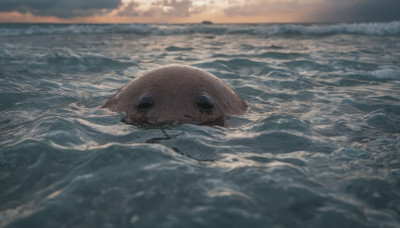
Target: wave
{"x": 375, "y": 29}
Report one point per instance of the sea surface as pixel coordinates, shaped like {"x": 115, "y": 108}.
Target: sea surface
{"x": 319, "y": 146}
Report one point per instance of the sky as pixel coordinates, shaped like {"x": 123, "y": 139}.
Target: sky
{"x": 195, "y": 11}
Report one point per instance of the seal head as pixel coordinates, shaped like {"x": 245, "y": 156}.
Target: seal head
{"x": 177, "y": 94}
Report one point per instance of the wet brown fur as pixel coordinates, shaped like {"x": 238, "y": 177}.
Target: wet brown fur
{"x": 175, "y": 88}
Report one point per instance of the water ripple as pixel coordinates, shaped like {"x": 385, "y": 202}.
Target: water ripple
{"x": 318, "y": 146}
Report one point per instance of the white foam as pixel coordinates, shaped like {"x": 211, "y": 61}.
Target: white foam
{"x": 393, "y": 74}
{"x": 379, "y": 29}
{"x": 390, "y": 28}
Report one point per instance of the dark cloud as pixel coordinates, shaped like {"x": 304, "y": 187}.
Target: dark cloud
{"x": 60, "y": 8}
{"x": 324, "y": 11}
{"x": 358, "y": 11}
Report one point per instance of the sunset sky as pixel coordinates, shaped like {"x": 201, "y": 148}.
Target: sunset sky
{"x": 193, "y": 11}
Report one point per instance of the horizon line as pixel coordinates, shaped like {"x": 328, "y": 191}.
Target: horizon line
{"x": 201, "y": 23}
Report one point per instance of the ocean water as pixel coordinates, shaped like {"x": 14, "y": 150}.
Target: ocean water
{"x": 319, "y": 146}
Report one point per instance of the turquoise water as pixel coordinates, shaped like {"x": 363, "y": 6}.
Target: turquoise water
{"x": 319, "y": 146}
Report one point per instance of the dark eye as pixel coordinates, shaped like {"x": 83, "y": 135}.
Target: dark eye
{"x": 145, "y": 102}
{"x": 204, "y": 102}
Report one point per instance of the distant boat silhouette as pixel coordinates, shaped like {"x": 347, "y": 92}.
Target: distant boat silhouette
{"x": 207, "y": 22}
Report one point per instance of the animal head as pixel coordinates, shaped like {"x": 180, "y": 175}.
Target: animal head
{"x": 177, "y": 94}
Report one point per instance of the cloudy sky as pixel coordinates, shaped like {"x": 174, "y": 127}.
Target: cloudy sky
{"x": 192, "y": 11}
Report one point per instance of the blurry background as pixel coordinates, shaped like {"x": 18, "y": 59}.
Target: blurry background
{"x": 191, "y": 11}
